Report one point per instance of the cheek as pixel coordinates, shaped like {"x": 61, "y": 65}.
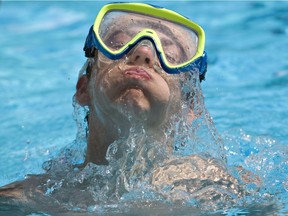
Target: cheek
{"x": 106, "y": 83}
{"x": 97, "y": 85}
{"x": 103, "y": 61}
{"x": 171, "y": 89}
{"x": 161, "y": 91}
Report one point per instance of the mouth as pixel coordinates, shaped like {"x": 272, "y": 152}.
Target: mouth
{"x": 137, "y": 73}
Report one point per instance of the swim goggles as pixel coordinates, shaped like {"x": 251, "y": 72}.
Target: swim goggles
{"x": 179, "y": 42}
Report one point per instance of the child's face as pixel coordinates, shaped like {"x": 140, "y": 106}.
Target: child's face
{"x": 135, "y": 86}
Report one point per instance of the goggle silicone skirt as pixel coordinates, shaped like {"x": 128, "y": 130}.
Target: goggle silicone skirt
{"x": 119, "y": 27}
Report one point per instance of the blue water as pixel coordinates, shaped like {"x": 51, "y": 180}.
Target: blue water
{"x": 245, "y": 89}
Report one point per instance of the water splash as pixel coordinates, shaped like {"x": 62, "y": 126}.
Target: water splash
{"x": 265, "y": 162}
{"x": 185, "y": 166}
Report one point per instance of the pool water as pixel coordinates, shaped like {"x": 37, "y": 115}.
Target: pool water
{"x": 245, "y": 88}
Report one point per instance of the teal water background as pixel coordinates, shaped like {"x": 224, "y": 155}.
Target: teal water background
{"x": 245, "y": 89}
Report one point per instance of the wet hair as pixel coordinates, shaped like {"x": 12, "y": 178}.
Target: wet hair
{"x": 202, "y": 77}
{"x": 88, "y": 70}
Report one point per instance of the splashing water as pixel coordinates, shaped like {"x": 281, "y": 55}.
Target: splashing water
{"x": 267, "y": 163}
{"x": 183, "y": 166}
{"x": 187, "y": 169}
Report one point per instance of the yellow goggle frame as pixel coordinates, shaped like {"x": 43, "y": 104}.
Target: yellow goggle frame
{"x": 94, "y": 38}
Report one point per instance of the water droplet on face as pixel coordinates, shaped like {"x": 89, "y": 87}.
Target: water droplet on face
{"x": 102, "y": 88}
{"x": 123, "y": 62}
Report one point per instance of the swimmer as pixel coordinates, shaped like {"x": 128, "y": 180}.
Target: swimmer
{"x": 130, "y": 79}
{"x": 137, "y": 56}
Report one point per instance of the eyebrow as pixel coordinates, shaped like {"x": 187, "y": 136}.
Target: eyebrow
{"x": 110, "y": 38}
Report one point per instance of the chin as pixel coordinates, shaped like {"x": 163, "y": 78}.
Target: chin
{"x": 133, "y": 103}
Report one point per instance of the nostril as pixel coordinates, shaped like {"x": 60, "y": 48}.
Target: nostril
{"x": 137, "y": 57}
{"x": 147, "y": 60}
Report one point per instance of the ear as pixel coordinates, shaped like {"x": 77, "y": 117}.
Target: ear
{"x": 82, "y": 94}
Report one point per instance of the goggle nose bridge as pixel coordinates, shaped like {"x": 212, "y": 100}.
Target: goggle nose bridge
{"x": 144, "y": 42}
{"x": 147, "y": 35}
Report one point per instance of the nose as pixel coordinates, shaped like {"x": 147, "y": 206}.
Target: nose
{"x": 143, "y": 54}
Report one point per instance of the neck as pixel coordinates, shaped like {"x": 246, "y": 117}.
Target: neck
{"x": 101, "y": 135}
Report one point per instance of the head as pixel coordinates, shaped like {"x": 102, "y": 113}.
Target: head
{"x": 132, "y": 79}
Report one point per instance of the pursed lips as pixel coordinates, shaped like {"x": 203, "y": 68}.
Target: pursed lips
{"x": 137, "y": 73}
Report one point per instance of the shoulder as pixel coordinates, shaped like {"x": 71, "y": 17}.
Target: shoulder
{"x": 20, "y": 190}
{"x": 197, "y": 177}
